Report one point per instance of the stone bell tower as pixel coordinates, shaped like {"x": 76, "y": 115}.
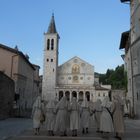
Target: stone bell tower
{"x": 50, "y": 64}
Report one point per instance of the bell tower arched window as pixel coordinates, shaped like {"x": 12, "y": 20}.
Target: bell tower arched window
{"x": 48, "y": 44}
{"x": 52, "y": 44}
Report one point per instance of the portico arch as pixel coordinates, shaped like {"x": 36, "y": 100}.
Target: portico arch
{"x": 60, "y": 94}
{"x": 81, "y": 96}
{"x": 67, "y": 94}
{"x": 87, "y": 93}
{"x": 74, "y": 94}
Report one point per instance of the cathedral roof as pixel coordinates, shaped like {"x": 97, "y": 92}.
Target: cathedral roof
{"x": 52, "y": 27}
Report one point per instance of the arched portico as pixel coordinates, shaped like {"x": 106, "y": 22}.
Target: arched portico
{"x": 80, "y": 95}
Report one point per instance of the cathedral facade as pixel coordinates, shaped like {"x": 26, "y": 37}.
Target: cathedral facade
{"x": 75, "y": 76}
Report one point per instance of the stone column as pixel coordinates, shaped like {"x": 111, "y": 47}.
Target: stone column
{"x": 77, "y": 95}
{"x": 57, "y": 94}
{"x": 84, "y": 95}
{"x": 90, "y": 96}
{"x": 70, "y": 95}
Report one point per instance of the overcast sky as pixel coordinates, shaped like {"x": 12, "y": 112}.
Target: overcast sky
{"x": 89, "y": 29}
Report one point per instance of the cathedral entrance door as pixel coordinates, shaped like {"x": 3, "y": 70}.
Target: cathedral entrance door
{"x": 88, "y": 95}
{"x": 60, "y": 95}
{"x": 67, "y": 94}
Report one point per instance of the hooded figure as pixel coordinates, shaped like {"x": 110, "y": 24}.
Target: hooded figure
{"x": 85, "y": 116}
{"x": 74, "y": 116}
{"x": 50, "y": 116}
{"x": 117, "y": 110}
{"x": 36, "y": 114}
{"x": 106, "y": 122}
{"x": 61, "y": 117}
{"x": 97, "y": 116}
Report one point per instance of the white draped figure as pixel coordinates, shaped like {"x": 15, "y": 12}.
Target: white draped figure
{"x": 117, "y": 110}
{"x": 61, "y": 117}
{"x": 106, "y": 122}
{"x": 85, "y": 115}
{"x": 50, "y": 116}
{"x": 98, "y": 111}
{"x": 36, "y": 114}
{"x": 74, "y": 116}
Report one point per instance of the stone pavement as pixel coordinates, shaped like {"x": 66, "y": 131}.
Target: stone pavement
{"x": 28, "y": 135}
{"x": 21, "y": 129}
{"x": 13, "y": 127}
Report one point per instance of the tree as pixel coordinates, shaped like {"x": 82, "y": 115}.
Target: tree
{"x": 116, "y": 78}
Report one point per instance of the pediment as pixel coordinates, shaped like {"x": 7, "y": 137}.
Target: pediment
{"x": 76, "y": 66}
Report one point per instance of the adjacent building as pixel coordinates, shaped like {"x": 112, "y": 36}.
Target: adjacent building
{"x": 127, "y": 57}
{"x": 25, "y": 75}
{"x": 132, "y": 56}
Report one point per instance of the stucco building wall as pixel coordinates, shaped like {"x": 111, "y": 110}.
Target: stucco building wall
{"x": 7, "y": 95}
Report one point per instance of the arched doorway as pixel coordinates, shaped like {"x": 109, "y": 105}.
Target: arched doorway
{"x": 87, "y": 95}
{"x": 74, "y": 94}
{"x": 60, "y": 94}
{"x": 81, "y": 97}
{"x": 67, "y": 94}
{"x": 81, "y": 94}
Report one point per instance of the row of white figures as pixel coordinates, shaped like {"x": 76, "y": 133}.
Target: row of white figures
{"x": 63, "y": 115}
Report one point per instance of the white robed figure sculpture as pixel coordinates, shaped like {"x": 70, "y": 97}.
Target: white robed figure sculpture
{"x": 118, "y": 120}
{"x": 74, "y": 116}
{"x": 85, "y": 116}
{"x": 106, "y": 122}
{"x": 61, "y": 117}
{"x": 37, "y": 114}
{"x": 50, "y": 116}
{"x": 97, "y": 115}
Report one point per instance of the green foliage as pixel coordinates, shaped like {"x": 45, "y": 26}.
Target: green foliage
{"x": 116, "y": 78}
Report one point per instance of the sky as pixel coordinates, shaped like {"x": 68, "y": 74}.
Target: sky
{"x": 89, "y": 29}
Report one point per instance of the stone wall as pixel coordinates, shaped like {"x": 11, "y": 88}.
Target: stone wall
{"x": 6, "y": 96}
{"x": 121, "y": 93}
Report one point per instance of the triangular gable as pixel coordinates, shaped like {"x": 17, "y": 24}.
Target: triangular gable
{"x": 75, "y": 57}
